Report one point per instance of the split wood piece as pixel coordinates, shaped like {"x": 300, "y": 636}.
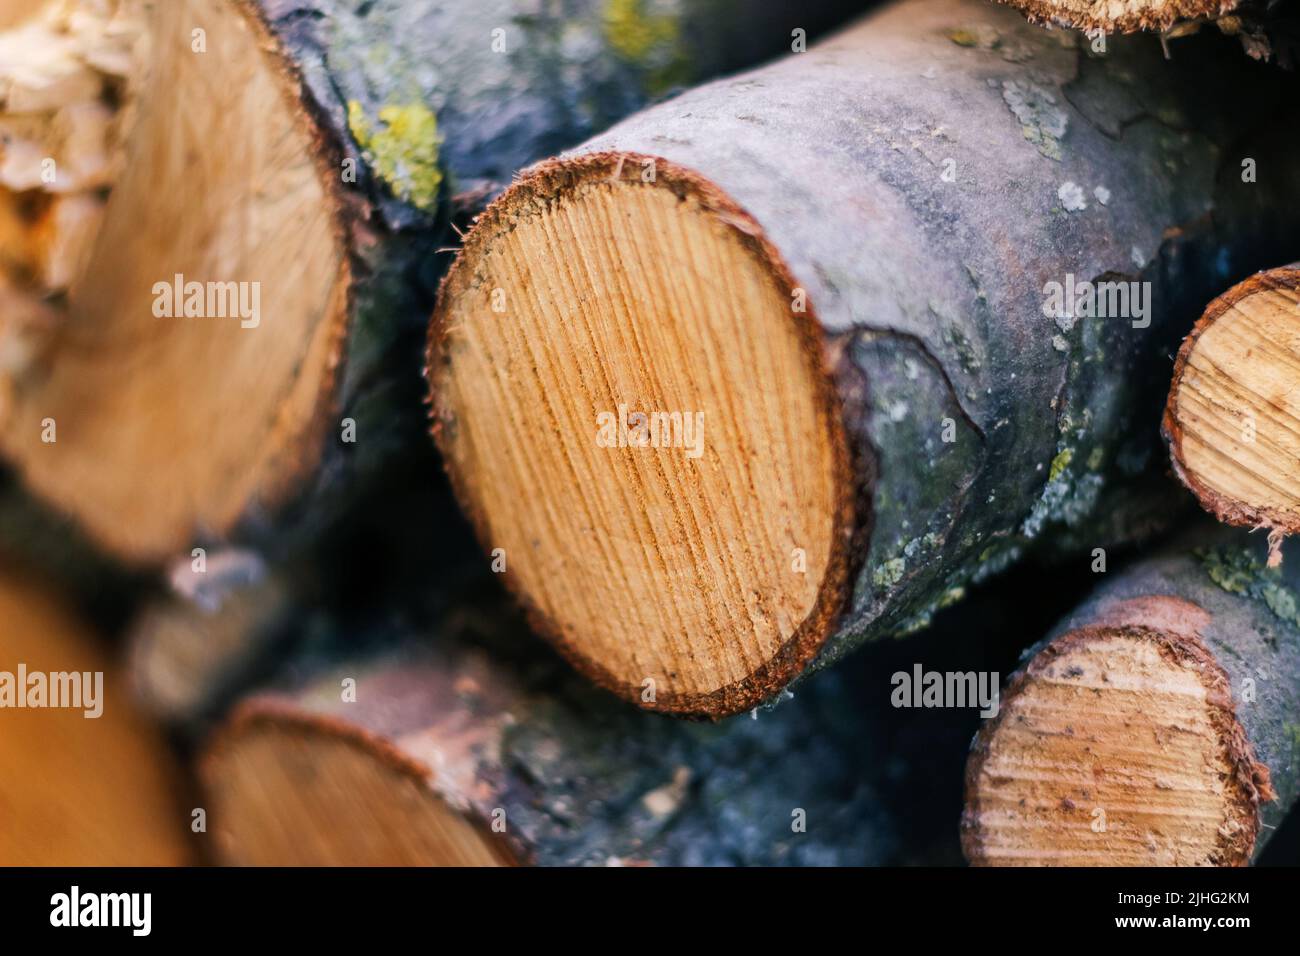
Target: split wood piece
{"x": 77, "y": 790}
{"x": 1233, "y": 417}
{"x": 452, "y": 754}
{"x": 1156, "y": 727}
{"x": 265, "y": 259}
{"x": 766, "y": 370}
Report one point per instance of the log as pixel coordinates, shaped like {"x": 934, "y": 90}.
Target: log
{"x": 1157, "y": 724}
{"x": 191, "y": 651}
{"x": 457, "y": 749}
{"x": 1267, "y": 29}
{"x": 1233, "y": 420}
{"x": 77, "y": 790}
{"x": 774, "y": 368}
{"x": 228, "y": 348}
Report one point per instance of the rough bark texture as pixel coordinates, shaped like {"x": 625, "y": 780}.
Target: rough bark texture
{"x": 582, "y": 779}
{"x": 553, "y": 74}
{"x": 1214, "y": 595}
{"x": 923, "y": 176}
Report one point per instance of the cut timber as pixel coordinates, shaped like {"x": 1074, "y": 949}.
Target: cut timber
{"x": 75, "y": 790}
{"x": 465, "y": 755}
{"x": 1266, "y": 28}
{"x": 221, "y": 348}
{"x": 1233, "y": 418}
{"x": 1121, "y": 16}
{"x": 769, "y": 369}
{"x": 167, "y": 426}
{"x": 1156, "y": 727}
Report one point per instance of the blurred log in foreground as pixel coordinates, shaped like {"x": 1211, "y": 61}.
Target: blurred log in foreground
{"x": 774, "y": 368}
{"x": 1156, "y": 727}
{"x": 76, "y": 790}
{"x": 224, "y": 348}
{"x": 455, "y": 751}
{"x": 1233, "y": 418}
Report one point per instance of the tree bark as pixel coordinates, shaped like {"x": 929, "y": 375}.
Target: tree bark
{"x": 1158, "y": 724}
{"x": 190, "y": 652}
{"x": 924, "y": 192}
{"x": 77, "y": 790}
{"x": 461, "y": 751}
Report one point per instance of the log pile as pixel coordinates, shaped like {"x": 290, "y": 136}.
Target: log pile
{"x": 744, "y": 350}
{"x": 868, "y": 394}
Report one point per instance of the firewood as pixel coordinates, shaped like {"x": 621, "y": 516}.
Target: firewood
{"x": 782, "y": 364}
{"x": 1267, "y": 29}
{"x": 1156, "y": 726}
{"x": 1233, "y": 417}
{"x": 84, "y": 779}
{"x": 229, "y": 344}
{"x": 453, "y": 748}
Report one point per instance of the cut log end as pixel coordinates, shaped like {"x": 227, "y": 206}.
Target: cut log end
{"x": 1118, "y": 745}
{"x": 1120, "y": 16}
{"x": 233, "y": 273}
{"x": 301, "y": 790}
{"x": 641, "y": 418}
{"x": 1233, "y": 417}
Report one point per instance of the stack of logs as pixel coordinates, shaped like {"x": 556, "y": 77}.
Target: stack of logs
{"x": 746, "y": 380}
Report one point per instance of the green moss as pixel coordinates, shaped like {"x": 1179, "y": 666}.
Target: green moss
{"x": 403, "y": 152}
{"x": 1060, "y": 463}
{"x": 963, "y": 37}
{"x": 1237, "y": 571}
{"x": 633, "y": 33}
{"x": 1067, "y": 498}
{"x": 951, "y": 596}
{"x": 889, "y": 573}
{"x": 965, "y": 349}
{"x": 1292, "y": 733}
{"x": 648, "y": 41}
